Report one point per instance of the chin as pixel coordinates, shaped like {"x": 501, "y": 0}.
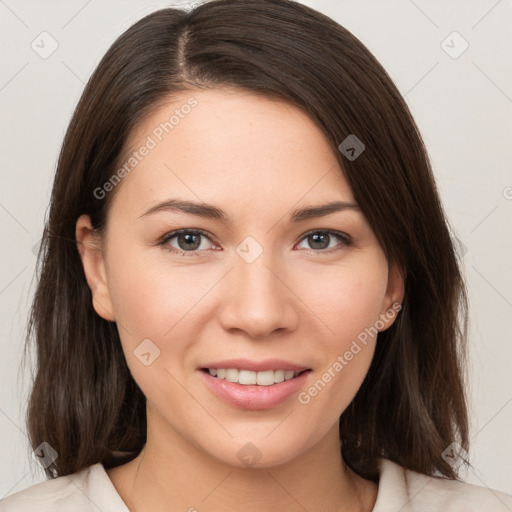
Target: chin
{"x": 258, "y": 452}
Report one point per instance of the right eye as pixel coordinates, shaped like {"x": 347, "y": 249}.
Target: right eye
{"x": 188, "y": 240}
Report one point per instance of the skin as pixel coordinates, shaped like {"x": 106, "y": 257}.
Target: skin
{"x": 257, "y": 159}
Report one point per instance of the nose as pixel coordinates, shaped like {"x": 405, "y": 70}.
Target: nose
{"x": 259, "y": 300}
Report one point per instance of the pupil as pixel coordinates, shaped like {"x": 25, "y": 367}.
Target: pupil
{"x": 319, "y": 239}
{"x": 189, "y": 238}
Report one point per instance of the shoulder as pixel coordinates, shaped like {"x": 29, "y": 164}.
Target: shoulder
{"x": 408, "y": 491}
{"x": 84, "y": 491}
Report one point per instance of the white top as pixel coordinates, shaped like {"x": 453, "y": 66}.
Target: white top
{"x": 399, "y": 490}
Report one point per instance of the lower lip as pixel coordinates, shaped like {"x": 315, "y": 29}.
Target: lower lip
{"x": 252, "y": 396}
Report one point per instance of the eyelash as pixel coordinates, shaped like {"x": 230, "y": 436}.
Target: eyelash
{"x": 164, "y": 242}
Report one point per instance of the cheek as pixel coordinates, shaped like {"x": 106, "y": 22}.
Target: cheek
{"x": 346, "y": 299}
{"x": 151, "y": 302}
{"x": 148, "y": 295}
{"x": 348, "y": 304}
{"x": 151, "y": 308}
{"x": 164, "y": 302}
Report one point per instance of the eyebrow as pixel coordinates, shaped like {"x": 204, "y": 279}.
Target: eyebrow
{"x": 209, "y": 211}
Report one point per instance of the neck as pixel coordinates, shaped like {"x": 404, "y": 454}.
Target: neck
{"x": 170, "y": 474}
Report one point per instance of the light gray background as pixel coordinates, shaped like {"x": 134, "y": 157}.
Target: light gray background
{"x": 462, "y": 105}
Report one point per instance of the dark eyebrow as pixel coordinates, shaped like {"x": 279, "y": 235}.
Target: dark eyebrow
{"x": 324, "y": 209}
{"x": 201, "y": 209}
{"x": 212, "y": 212}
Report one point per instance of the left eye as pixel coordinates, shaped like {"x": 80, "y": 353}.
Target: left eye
{"x": 320, "y": 240}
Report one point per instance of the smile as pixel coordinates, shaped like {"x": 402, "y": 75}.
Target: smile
{"x": 257, "y": 390}
{"x": 248, "y": 377}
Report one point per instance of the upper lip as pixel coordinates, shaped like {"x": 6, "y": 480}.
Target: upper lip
{"x": 256, "y": 366}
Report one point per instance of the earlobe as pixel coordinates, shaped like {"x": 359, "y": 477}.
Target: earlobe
{"x": 392, "y": 303}
{"x": 93, "y": 262}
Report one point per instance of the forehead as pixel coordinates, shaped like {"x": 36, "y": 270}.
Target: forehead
{"x": 233, "y": 148}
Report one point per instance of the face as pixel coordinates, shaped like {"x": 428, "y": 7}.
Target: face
{"x": 249, "y": 279}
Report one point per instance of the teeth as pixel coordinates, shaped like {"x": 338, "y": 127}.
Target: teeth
{"x": 248, "y": 378}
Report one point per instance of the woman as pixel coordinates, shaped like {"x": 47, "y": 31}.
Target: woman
{"x": 255, "y": 300}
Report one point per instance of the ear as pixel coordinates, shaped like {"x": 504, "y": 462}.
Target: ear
{"x": 392, "y": 303}
{"x": 91, "y": 253}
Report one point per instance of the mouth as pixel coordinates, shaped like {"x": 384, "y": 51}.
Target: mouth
{"x": 256, "y": 390}
{"x": 254, "y": 378}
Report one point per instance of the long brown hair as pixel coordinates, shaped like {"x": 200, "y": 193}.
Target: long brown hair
{"x": 411, "y": 405}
